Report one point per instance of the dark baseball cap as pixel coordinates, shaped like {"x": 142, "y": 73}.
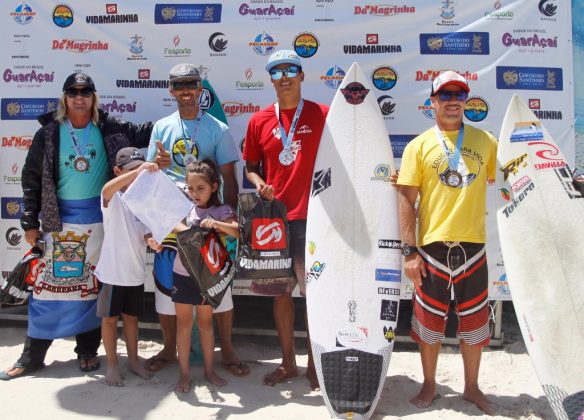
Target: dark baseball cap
{"x": 129, "y": 158}
{"x": 184, "y": 71}
{"x": 79, "y": 80}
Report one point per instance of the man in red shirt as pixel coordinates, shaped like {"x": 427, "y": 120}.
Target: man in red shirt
{"x": 280, "y": 149}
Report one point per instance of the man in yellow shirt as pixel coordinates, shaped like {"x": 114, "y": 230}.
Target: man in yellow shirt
{"x": 446, "y": 170}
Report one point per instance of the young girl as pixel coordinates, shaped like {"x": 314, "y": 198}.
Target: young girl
{"x": 203, "y": 182}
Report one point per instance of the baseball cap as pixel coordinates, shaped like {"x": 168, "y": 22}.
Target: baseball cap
{"x": 184, "y": 71}
{"x": 449, "y": 78}
{"x": 80, "y": 80}
{"x": 283, "y": 57}
{"x": 129, "y": 158}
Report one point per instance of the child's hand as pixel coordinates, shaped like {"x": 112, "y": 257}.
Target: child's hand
{"x": 149, "y": 166}
{"x": 207, "y": 224}
{"x": 154, "y": 245}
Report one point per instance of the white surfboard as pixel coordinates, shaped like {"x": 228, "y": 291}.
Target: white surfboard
{"x": 542, "y": 239}
{"x": 353, "y": 258}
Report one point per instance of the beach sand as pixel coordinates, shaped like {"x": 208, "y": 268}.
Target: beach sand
{"x": 61, "y": 391}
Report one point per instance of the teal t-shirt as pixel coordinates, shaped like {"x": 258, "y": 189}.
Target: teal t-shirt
{"x": 81, "y": 176}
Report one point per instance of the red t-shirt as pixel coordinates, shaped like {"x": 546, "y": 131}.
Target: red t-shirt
{"x": 263, "y": 144}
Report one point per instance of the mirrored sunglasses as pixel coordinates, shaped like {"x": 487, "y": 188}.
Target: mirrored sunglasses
{"x": 188, "y": 84}
{"x": 73, "y": 93}
{"x": 460, "y": 95}
{"x": 290, "y": 71}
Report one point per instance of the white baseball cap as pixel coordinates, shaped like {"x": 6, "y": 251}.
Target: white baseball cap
{"x": 283, "y": 57}
{"x": 449, "y": 78}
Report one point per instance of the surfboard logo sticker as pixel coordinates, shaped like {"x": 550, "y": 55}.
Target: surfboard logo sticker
{"x": 518, "y": 199}
{"x": 388, "y": 310}
{"x": 546, "y": 154}
{"x": 381, "y": 172}
{"x": 388, "y": 334}
{"x": 321, "y": 181}
{"x": 387, "y": 274}
{"x": 389, "y": 243}
{"x": 390, "y": 291}
{"x": 354, "y": 93}
{"x": 505, "y": 194}
{"x": 513, "y": 166}
{"x": 315, "y": 271}
{"x": 352, "y": 305}
{"x": 351, "y": 337}
{"x": 527, "y": 131}
{"x": 268, "y": 234}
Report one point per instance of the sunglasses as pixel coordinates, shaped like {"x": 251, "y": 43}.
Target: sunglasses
{"x": 189, "y": 84}
{"x": 73, "y": 93}
{"x": 290, "y": 71}
{"x": 460, "y": 95}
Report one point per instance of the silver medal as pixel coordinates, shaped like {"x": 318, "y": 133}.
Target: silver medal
{"x": 287, "y": 157}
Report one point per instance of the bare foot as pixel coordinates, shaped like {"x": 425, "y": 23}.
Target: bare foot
{"x": 137, "y": 368}
{"x": 215, "y": 379}
{"x": 159, "y": 361}
{"x": 113, "y": 376}
{"x": 426, "y": 396}
{"x": 279, "y": 375}
{"x": 481, "y": 401}
{"x": 313, "y": 379}
{"x": 183, "y": 385}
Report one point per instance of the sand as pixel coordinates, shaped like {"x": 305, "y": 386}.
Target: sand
{"x": 61, "y": 391}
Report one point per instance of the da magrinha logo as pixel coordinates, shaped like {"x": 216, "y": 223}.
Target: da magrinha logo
{"x": 476, "y": 109}
{"x": 306, "y": 44}
{"x": 384, "y": 78}
{"x": 63, "y": 16}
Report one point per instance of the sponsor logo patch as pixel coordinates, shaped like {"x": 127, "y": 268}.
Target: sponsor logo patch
{"x": 387, "y": 274}
{"x": 530, "y": 78}
{"x": 388, "y": 310}
{"x": 165, "y": 14}
{"x": 321, "y": 181}
{"x": 268, "y": 234}
{"x": 354, "y": 93}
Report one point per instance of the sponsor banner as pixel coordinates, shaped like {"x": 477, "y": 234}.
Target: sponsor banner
{"x": 455, "y": 43}
{"x": 165, "y": 14}
{"x": 530, "y": 78}
{"x": 26, "y": 108}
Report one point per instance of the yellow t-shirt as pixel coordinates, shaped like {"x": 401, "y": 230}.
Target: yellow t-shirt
{"x": 450, "y": 213}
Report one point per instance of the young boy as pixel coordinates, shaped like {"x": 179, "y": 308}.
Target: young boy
{"x": 122, "y": 265}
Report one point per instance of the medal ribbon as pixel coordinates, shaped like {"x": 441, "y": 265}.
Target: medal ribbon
{"x": 287, "y": 138}
{"x": 191, "y": 138}
{"x": 76, "y": 143}
{"x": 453, "y": 158}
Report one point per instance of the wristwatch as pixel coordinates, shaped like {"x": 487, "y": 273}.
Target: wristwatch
{"x": 408, "y": 250}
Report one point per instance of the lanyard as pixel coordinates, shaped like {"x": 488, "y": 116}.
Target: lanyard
{"x": 287, "y": 138}
{"x": 76, "y": 143}
{"x": 452, "y": 158}
{"x": 191, "y": 138}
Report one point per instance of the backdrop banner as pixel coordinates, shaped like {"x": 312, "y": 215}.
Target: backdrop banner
{"x": 502, "y": 47}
